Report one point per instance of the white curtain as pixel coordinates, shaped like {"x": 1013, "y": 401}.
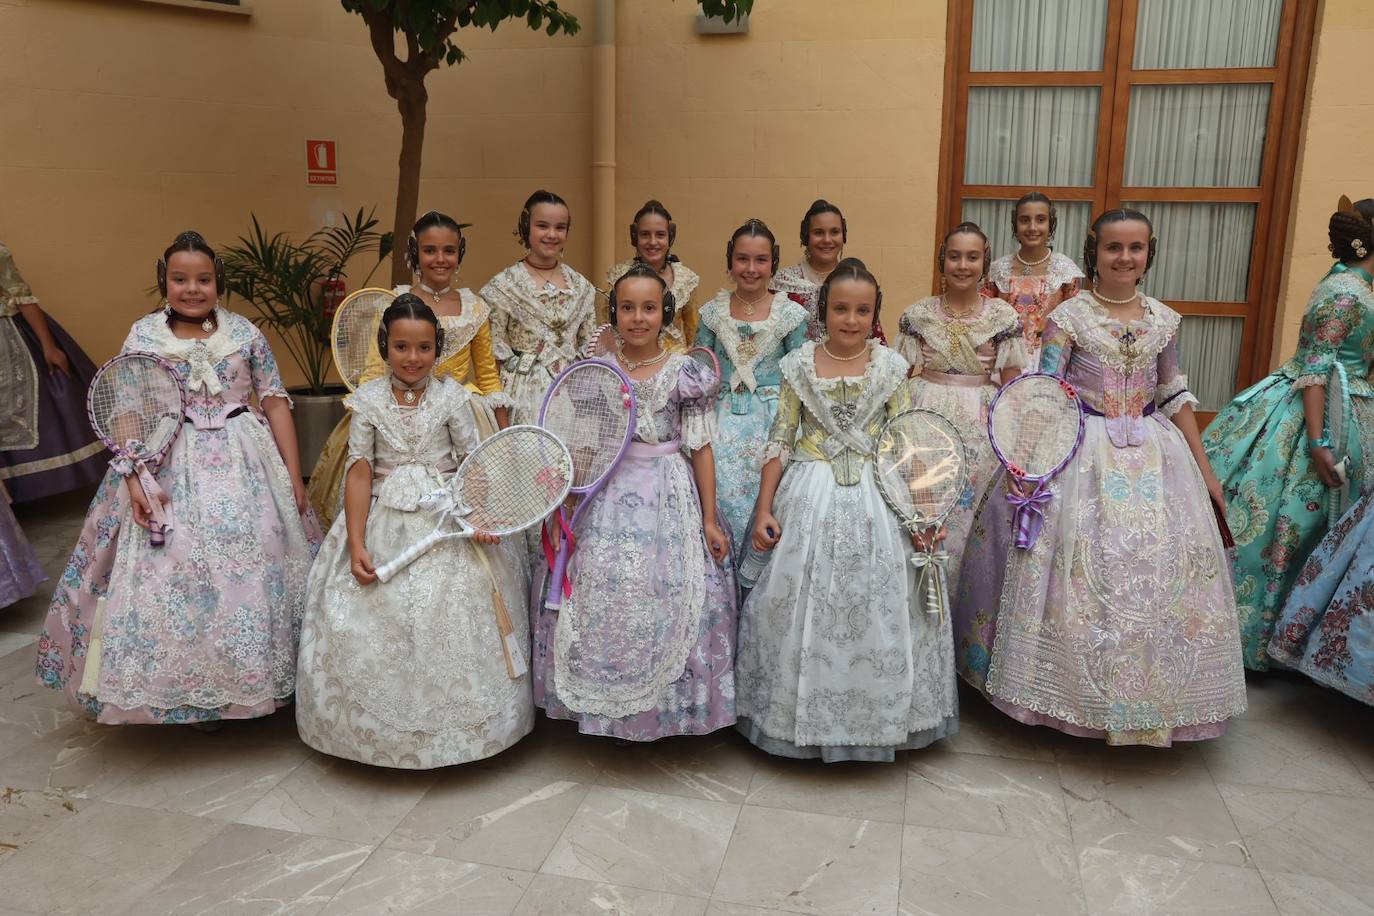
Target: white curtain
{"x": 1031, "y": 135}
{"x": 1196, "y": 136}
{"x": 1209, "y": 352}
{"x": 1037, "y": 34}
{"x": 1179, "y": 34}
{"x": 1204, "y": 250}
{"x": 994, "y": 218}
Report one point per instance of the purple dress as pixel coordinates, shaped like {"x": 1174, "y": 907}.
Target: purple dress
{"x": 206, "y": 627}
{"x": 645, "y": 646}
{"x": 20, "y": 571}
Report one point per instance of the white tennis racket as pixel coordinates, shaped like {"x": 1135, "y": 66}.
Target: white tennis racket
{"x": 136, "y": 405}
{"x": 354, "y": 332}
{"x": 1338, "y": 410}
{"x": 921, "y": 473}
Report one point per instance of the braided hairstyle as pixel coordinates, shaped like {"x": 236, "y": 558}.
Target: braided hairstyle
{"x": 191, "y": 240}
{"x": 818, "y": 207}
{"x": 754, "y": 228}
{"x": 1351, "y": 231}
{"x": 653, "y": 208}
{"x": 642, "y": 270}
{"x": 1119, "y": 215}
{"x": 433, "y": 219}
{"x": 850, "y": 269}
{"x": 522, "y": 226}
{"x": 1034, "y": 197}
{"x": 971, "y": 228}
{"x": 409, "y": 305}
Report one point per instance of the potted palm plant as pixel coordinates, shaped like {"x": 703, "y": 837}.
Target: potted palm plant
{"x": 289, "y": 286}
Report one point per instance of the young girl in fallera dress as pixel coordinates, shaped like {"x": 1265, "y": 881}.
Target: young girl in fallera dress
{"x": 835, "y": 659}
{"x": 543, "y": 311}
{"x": 1036, "y": 278}
{"x": 1120, "y": 622}
{"x": 652, "y": 234}
{"x": 962, "y": 346}
{"x": 749, "y": 328}
{"x": 204, "y": 628}
{"x": 645, "y": 645}
{"x": 435, "y": 252}
{"x": 409, "y": 673}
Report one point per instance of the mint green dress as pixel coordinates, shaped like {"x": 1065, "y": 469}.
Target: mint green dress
{"x": 1276, "y": 503}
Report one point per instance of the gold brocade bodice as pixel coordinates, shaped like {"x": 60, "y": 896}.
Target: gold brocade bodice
{"x": 809, "y": 440}
{"x": 467, "y": 355}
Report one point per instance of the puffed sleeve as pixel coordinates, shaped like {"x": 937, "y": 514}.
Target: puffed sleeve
{"x": 1324, "y": 328}
{"x": 1055, "y": 347}
{"x": 14, "y": 292}
{"x": 782, "y": 436}
{"x": 484, "y": 369}
{"x": 1071, "y": 289}
{"x": 266, "y": 377}
{"x": 1172, "y": 395}
{"x": 900, "y": 400}
{"x": 909, "y": 344}
{"x": 1011, "y": 348}
{"x": 362, "y": 439}
{"x": 697, "y": 386}
{"x": 462, "y": 427}
{"x": 795, "y": 339}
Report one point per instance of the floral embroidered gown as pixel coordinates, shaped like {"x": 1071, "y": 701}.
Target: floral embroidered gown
{"x": 467, "y": 357}
{"x": 205, "y": 627}
{"x": 836, "y": 660}
{"x": 1033, "y": 298}
{"x": 749, "y": 352}
{"x": 410, "y": 673}
{"x": 645, "y": 645}
{"x": 1276, "y": 503}
{"x": 803, "y": 287}
{"x": 537, "y": 331}
{"x": 1120, "y": 622}
{"x": 680, "y": 334}
{"x": 954, "y": 367}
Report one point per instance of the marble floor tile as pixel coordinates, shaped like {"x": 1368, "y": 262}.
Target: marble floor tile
{"x": 505, "y": 817}
{"x": 715, "y": 767}
{"x": 1302, "y": 895}
{"x": 1297, "y": 753}
{"x": 812, "y": 863}
{"x": 250, "y": 871}
{"x": 1120, "y": 883}
{"x": 1178, "y": 815}
{"x": 639, "y": 839}
{"x": 1280, "y": 696}
{"x": 867, "y": 791}
{"x": 22, "y": 725}
{"x": 1326, "y": 836}
{"x": 105, "y": 859}
{"x": 552, "y": 895}
{"x": 394, "y": 882}
{"x": 13, "y": 642}
{"x": 984, "y": 729}
{"x": 955, "y": 873}
{"x": 341, "y": 799}
{"x": 209, "y": 774}
{"x": 1358, "y": 744}
{"x": 1094, "y": 753}
{"x": 26, "y": 815}
{"x": 1010, "y": 796}
{"x": 84, "y": 759}
{"x": 722, "y": 908}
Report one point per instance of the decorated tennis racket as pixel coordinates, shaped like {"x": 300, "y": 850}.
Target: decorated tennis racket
{"x": 590, "y": 406}
{"x": 1338, "y": 410}
{"x": 136, "y": 405}
{"x": 511, "y": 481}
{"x": 707, "y": 357}
{"x": 354, "y": 335}
{"x": 602, "y": 343}
{"x": 921, "y": 471}
{"x": 1035, "y": 425}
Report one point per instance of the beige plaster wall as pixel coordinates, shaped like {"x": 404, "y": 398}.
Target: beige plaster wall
{"x": 124, "y": 122}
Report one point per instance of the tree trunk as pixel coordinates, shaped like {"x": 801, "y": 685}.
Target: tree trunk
{"x": 412, "y": 99}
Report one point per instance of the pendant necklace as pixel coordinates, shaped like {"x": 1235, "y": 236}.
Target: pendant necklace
{"x": 1027, "y": 266}
{"x": 207, "y": 325}
{"x": 749, "y": 307}
{"x": 408, "y": 392}
{"x": 549, "y": 285}
{"x": 437, "y": 294}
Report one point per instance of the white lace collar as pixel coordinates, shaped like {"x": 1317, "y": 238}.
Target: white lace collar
{"x": 1061, "y": 271}
{"x": 1086, "y": 320}
{"x": 928, "y": 320}
{"x": 886, "y": 371}
{"x": 746, "y": 342}
{"x": 461, "y": 328}
{"x": 201, "y": 355}
{"x": 442, "y": 398}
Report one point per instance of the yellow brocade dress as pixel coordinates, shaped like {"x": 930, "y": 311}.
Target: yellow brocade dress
{"x": 466, "y": 357}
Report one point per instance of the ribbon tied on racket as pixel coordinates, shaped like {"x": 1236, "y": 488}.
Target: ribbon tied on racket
{"x": 1029, "y": 512}
{"x": 933, "y": 563}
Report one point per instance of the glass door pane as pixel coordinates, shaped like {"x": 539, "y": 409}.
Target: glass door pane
{"x": 1196, "y": 136}
{"x": 1209, "y": 354}
{"x": 1044, "y": 135}
{"x": 1188, "y": 34}
{"x": 994, "y": 218}
{"x": 1038, "y": 34}
{"x": 1204, "y": 250}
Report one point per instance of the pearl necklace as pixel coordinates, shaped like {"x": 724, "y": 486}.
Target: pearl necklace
{"x": 631, "y": 365}
{"x": 841, "y": 359}
{"x": 437, "y": 294}
{"x": 749, "y": 307}
{"x": 1027, "y": 265}
{"x": 1104, "y": 299}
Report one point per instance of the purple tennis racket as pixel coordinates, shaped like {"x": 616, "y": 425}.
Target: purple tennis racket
{"x": 707, "y": 357}
{"x": 1035, "y": 425}
{"x": 136, "y": 405}
{"x": 591, "y": 407}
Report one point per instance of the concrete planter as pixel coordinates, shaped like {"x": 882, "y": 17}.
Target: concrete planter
{"x": 316, "y": 415}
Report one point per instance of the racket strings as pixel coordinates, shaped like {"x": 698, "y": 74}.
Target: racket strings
{"x": 587, "y": 410}
{"x": 1035, "y": 426}
{"x": 920, "y": 465}
{"x": 355, "y": 332}
{"x": 513, "y": 481}
{"x": 136, "y": 399}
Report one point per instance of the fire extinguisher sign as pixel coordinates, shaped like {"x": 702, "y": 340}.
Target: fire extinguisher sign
{"x": 321, "y": 163}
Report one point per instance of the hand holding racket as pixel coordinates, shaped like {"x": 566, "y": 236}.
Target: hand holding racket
{"x": 1035, "y": 425}
{"x": 921, "y": 473}
{"x": 136, "y": 405}
{"x": 591, "y": 406}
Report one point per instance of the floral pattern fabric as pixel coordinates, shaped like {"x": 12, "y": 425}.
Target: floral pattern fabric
{"x": 1033, "y": 298}
{"x": 205, "y": 627}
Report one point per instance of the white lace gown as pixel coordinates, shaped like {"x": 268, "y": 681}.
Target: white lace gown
{"x": 410, "y": 673}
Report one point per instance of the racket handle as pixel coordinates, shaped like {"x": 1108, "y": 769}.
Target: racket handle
{"x": 553, "y": 598}
{"x": 157, "y": 524}
{"x": 389, "y": 569}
